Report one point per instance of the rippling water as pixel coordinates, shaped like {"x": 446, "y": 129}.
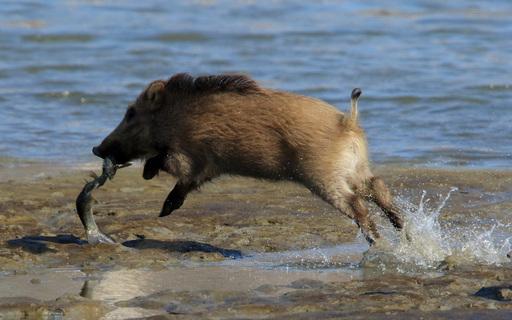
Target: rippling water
{"x": 435, "y": 74}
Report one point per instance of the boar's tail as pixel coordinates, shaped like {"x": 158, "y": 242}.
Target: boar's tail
{"x": 356, "y": 93}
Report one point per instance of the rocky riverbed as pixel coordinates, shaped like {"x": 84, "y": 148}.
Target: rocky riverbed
{"x": 244, "y": 248}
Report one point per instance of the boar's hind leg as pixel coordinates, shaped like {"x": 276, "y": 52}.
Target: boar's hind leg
{"x": 352, "y": 205}
{"x": 363, "y": 220}
{"x": 379, "y": 193}
{"x": 176, "y": 197}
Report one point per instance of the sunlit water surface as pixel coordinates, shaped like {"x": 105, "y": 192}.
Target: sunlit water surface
{"x": 436, "y": 92}
{"x": 435, "y": 74}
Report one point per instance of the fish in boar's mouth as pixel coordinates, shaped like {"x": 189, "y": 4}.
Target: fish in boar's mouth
{"x": 84, "y": 202}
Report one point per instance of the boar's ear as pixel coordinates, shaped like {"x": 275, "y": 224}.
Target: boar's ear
{"x": 156, "y": 92}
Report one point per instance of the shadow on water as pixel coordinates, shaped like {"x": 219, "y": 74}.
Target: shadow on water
{"x": 39, "y": 244}
{"x": 495, "y": 293}
{"x": 181, "y": 246}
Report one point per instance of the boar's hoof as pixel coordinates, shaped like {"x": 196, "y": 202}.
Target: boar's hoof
{"x": 170, "y": 206}
{"x": 99, "y": 237}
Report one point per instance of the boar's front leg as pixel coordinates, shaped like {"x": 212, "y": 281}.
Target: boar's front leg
{"x": 176, "y": 197}
{"x": 152, "y": 166}
{"x": 190, "y": 176}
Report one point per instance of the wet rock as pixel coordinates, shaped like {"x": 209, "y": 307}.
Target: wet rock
{"x": 67, "y": 307}
{"x": 495, "y": 293}
{"x": 378, "y": 258}
{"x": 448, "y": 263}
{"x": 267, "y": 289}
{"x": 307, "y": 284}
{"x": 146, "y": 303}
{"x": 505, "y": 294}
{"x": 76, "y": 307}
{"x": 203, "y": 256}
{"x": 8, "y": 264}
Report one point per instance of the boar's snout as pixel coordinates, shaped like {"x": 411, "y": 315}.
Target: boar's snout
{"x": 112, "y": 149}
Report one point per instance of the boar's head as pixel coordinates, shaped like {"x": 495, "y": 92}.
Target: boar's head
{"x": 133, "y": 138}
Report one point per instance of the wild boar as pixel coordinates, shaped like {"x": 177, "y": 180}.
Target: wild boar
{"x": 197, "y": 129}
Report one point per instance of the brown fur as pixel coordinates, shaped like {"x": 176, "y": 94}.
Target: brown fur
{"x": 186, "y": 84}
{"x": 197, "y": 129}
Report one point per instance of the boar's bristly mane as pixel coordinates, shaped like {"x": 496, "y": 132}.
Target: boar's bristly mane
{"x": 185, "y": 83}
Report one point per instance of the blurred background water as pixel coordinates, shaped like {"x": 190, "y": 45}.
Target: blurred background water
{"x": 436, "y": 75}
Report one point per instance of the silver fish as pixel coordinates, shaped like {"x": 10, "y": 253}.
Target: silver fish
{"x": 84, "y": 202}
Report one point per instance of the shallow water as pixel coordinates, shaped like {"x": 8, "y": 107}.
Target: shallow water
{"x": 114, "y": 286}
{"x": 233, "y": 251}
{"x": 427, "y": 241}
{"x": 435, "y": 74}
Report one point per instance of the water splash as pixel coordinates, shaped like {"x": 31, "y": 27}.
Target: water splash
{"x": 424, "y": 245}
{"x": 427, "y": 242}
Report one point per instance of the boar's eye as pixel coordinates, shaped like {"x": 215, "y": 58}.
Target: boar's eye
{"x": 130, "y": 114}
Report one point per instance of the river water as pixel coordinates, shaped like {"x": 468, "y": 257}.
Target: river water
{"x": 435, "y": 74}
